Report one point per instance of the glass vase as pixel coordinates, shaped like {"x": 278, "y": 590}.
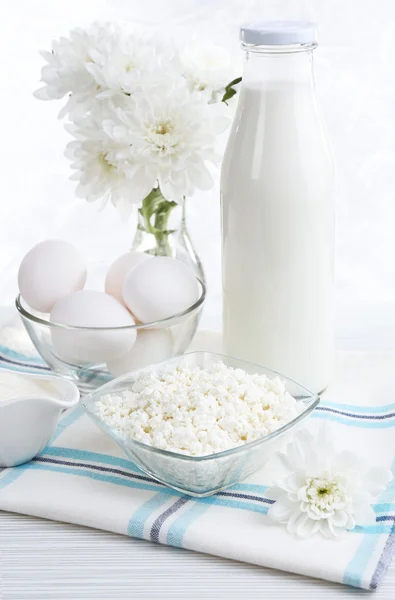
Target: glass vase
{"x": 162, "y": 231}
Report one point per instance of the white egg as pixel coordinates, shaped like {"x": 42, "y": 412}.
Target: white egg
{"x": 151, "y": 346}
{"x": 160, "y": 288}
{"x": 50, "y": 270}
{"x": 119, "y": 269}
{"x": 88, "y": 308}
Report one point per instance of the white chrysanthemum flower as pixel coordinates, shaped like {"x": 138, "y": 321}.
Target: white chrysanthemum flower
{"x": 99, "y": 164}
{"x": 172, "y": 135}
{"x": 207, "y": 68}
{"x": 124, "y": 64}
{"x": 324, "y": 491}
{"x": 69, "y": 64}
{"x": 66, "y": 69}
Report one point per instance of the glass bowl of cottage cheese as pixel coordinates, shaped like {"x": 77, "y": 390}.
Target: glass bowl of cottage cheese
{"x": 201, "y": 422}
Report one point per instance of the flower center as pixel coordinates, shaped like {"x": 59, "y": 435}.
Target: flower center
{"x": 162, "y": 137}
{"x": 324, "y": 496}
{"x": 200, "y": 86}
{"x": 105, "y": 163}
{"x": 164, "y": 127}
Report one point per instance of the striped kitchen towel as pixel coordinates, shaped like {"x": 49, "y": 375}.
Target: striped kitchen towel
{"x": 83, "y": 478}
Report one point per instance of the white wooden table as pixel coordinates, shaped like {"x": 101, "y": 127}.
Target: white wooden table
{"x": 49, "y": 560}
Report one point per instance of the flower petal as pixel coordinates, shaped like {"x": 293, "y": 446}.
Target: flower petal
{"x": 42, "y": 94}
{"x": 295, "y": 481}
{"x": 274, "y": 493}
{"x": 326, "y": 528}
{"x": 295, "y": 520}
{"x": 340, "y": 518}
{"x": 200, "y": 176}
{"x": 281, "y": 510}
{"x": 350, "y": 522}
{"x": 307, "y": 528}
{"x": 170, "y": 191}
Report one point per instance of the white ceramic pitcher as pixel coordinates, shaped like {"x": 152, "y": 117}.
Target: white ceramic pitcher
{"x": 27, "y": 423}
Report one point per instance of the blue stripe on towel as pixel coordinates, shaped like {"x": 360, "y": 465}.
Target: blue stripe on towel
{"x": 356, "y": 567}
{"x": 176, "y": 533}
{"x": 164, "y": 516}
{"x": 178, "y": 529}
{"x": 96, "y": 457}
{"x": 373, "y": 530}
{"x": 69, "y": 419}
{"x": 25, "y": 368}
{"x": 384, "y": 507}
{"x": 116, "y": 480}
{"x": 98, "y": 476}
{"x": 218, "y": 501}
{"x": 14, "y": 473}
{"x": 354, "y": 408}
{"x": 139, "y": 517}
{"x": 385, "y": 560}
{"x": 248, "y": 487}
{"x": 353, "y": 415}
{"x": 17, "y": 356}
{"x": 228, "y": 499}
{"x": 365, "y": 424}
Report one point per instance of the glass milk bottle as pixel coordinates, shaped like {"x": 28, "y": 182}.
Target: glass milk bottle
{"x": 277, "y": 196}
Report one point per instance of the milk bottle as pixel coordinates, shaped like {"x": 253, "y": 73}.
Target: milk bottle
{"x": 277, "y": 188}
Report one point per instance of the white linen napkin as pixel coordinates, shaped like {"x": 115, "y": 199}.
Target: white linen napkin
{"x": 83, "y": 478}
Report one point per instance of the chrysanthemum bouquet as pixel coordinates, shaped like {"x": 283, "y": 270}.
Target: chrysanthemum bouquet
{"x": 146, "y": 116}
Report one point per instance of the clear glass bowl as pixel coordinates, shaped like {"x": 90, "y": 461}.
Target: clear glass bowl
{"x": 80, "y": 353}
{"x": 202, "y": 475}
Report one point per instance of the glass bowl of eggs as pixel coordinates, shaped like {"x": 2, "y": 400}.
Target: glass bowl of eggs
{"x": 148, "y": 312}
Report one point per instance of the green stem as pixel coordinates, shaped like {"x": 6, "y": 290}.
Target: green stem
{"x": 148, "y": 208}
{"x": 156, "y": 208}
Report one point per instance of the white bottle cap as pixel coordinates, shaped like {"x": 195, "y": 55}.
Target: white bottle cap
{"x": 278, "y": 33}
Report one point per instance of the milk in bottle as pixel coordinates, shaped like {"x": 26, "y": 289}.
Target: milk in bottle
{"x": 277, "y": 188}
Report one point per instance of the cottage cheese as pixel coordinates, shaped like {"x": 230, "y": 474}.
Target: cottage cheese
{"x": 198, "y": 411}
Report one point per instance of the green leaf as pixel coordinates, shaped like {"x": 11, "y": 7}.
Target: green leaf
{"x": 234, "y": 82}
{"x": 228, "y": 95}
{"x": 229, "y": 90}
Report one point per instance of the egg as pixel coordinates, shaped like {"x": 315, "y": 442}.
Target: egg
{"x": 89, "y": 308}
{"x": 151, "y": 346}
{"x": 119, "y": 269}
{"x": 160, "y": 288}
{"x": 50, "y": 270}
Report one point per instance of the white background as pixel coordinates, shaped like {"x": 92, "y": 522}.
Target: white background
{"x": 355, "y": 73}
